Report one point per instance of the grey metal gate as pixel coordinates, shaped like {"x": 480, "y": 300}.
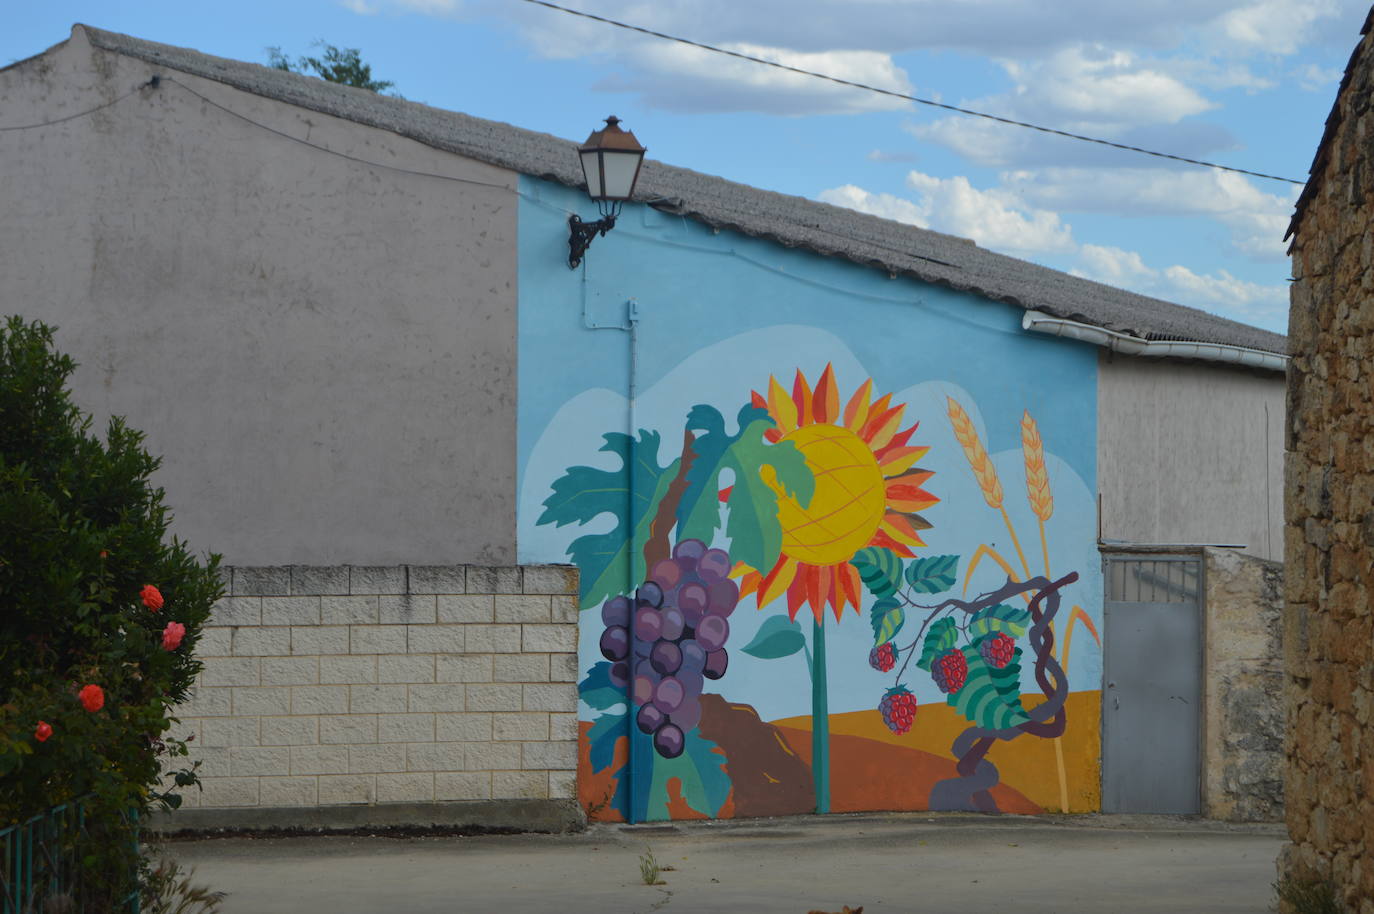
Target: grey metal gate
{"x": 1152, "y": 694}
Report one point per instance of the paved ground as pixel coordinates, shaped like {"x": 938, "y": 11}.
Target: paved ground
{"x": 906, "y": 863}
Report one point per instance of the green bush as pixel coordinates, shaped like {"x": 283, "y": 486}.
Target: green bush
{"x": 82, "y": 541}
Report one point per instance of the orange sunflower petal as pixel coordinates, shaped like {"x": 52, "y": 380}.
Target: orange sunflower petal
{"x": 856, "y": 410}
{"x": 816, "y": 589}
{"x": 777, "y": 580}
{"x": 881, "y": 429}
{"x": 899, "y": 460}
{"x": 781, "y": 407}
{"x": 852, "y": 585}
{"x": 904, "y": 493}
{"x": 801, "y": 395}
{"x": 884, "y": 541}
{"x": 796, "y": 596}
{"x": 898, "y": 440}
{"x": 749, "y": 584}
{"x": 827, "y": 399}
{"x": 900, "y": 529}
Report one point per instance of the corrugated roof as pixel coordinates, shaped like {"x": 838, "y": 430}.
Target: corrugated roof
{"x": 1333, "y": 121}
{"x": 793, "y": 221}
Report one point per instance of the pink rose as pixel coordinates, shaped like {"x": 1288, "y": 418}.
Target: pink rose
{"x": 152, "y": 597}
{"x": 172, "y": 635}
{"x": 92, "y": 697}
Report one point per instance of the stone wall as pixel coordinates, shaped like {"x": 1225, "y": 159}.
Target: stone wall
{"x": 330, "y": 686}
{"x": 1328, "y": 625}
{"x": 1243, "y": 702}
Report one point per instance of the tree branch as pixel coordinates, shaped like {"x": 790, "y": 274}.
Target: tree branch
{"x": 657, "y": 547}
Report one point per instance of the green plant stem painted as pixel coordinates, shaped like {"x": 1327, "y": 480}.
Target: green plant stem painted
{"x": 820, "y": 719}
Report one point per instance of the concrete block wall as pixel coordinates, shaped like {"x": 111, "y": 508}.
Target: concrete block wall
{"x": 337, "y": 685}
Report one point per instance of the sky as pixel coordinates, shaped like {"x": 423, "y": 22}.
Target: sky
{"x": 1245, "y": 83}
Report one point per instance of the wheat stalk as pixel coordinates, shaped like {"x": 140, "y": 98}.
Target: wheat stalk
{"x": 1037, "y": 476}
{"x": 977, "y": 455}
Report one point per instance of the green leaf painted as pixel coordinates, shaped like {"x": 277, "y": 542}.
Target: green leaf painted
{"x": 603, "y": 734}
{"x": 880, "y": 569}
{"x": 597, "y": 691}
{"x": 778, "y": 636}
{"x": 607, "y": 562}
{"x": 999, "y": 619}
{"x": 933, "y": 574}
{"x": 887, "y": 616}
{"x": 701, "y": 771}
{"x": 990, "y": 698}
{"x": 755, "y": 535}
{"x": 940, "y": 637}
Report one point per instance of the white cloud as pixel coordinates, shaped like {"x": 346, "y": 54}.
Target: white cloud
{"x": 1249, "y": 301}
{"x": 993, "y": 218}
{"x": 1276, "y": 26}
{"x": 1313, "y": 78}
{"x": 1255, "y": 219}
{"x": 1114, "y": 266}
{"x": 681, "y": 78}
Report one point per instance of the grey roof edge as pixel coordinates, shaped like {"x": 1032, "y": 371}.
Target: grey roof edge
{"x": 793, "y": 221}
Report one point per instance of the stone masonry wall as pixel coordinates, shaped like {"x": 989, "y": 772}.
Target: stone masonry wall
{"x": 326, "y": 686}
{"x": 1328, "y": 624}
{"x": 1243, "y": 705}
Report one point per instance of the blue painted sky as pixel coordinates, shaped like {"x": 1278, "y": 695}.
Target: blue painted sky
{"x": 1243, "y": 82}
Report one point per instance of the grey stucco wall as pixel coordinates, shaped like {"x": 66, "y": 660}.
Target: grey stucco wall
{"x": 1190, "y": 453}
{"x": 323, "y": 351}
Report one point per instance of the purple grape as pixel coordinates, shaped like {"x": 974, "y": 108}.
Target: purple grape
{"x": 671, "y": 623}
{"x": 666, "y": 657}
{"x": 722, "y": 597}
{"x": 649, "y": 594}
{"x": 688, "y": 716}
{"x": 615, "y": 643}
{"x": 649, "y": 719}
{"x": 714, "y": 566}
{"x": 666, "y": 574}
{"x": 616, "y": 611}
{"x": 716, "y": 662}
{"x": 688, "y": 553}
{"x": 692, "y": 600}
{"x": 619, "y": 674}
{"x": 641, "y": 648}
{"x": 668, "y": 694}
{"x": 648, "y": 624}
{"x": 713, "y": 632}
{"x": 693, "y": 655}
{"x": 692, "y": 684}
{"x": 669, "y": 741}
{"x": 643, "y": 690}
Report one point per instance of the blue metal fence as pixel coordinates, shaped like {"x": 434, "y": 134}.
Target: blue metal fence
{"x": 41, "y": 864}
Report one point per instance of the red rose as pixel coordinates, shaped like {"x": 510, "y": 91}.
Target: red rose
{"x": 92, "y": 697}
{"x": 172, "y": 635}
{"x": 152, "y": 597}
{"x": 42, "y": 731}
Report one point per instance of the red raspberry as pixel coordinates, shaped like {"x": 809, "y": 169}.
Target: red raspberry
{"x": 898, "y": 708}
{"x": 950, "y": 670}
{"x": 883, "y": 657}
{"x": 997, "y": 651}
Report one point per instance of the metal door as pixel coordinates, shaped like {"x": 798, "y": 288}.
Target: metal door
{"x": 1152, "y": 671}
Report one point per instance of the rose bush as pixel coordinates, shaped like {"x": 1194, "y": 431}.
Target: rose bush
{"x": 90, "y": 667}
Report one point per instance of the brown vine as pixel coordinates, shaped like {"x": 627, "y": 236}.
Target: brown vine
{"x": 657, "y": 547}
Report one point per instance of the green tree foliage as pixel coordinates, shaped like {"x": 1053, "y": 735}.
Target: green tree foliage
{"x": 82, "y": 537}
{"x": 336, "y": 65}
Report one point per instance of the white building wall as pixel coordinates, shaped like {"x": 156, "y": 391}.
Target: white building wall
{"x": 1190, "y": 452}
{"x": 322, "y": 351}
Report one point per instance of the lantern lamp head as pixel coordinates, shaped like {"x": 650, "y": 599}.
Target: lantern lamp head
{"x": 611, "y": 159}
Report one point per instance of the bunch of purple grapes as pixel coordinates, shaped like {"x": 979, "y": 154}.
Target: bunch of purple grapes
{"x": 679, "y": 621}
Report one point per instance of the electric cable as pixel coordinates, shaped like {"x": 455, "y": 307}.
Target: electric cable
{"x": 911, "y": 98}
{"x": 72, "y": 117}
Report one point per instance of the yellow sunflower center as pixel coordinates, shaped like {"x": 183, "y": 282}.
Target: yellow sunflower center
{"x": 849, "y": 501}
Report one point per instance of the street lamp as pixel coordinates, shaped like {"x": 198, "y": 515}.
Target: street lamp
{"x": 610, "y": 163}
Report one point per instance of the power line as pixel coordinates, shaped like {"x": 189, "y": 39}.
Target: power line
{"x": 72, "y": 117}
{"x": 911, "y": 98}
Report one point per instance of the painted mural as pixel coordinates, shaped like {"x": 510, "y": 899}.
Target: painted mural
{"x": 836, "y": 534}
{"x": 811, "y": 508}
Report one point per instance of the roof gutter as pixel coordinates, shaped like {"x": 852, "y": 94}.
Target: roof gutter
{"x": 1134, "y": 345}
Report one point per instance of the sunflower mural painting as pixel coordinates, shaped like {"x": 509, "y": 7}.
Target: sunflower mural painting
{"x": 819, "y": 501}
